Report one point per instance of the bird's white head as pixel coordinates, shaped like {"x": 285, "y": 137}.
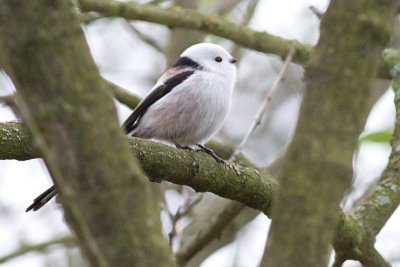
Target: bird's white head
{"x": 212, "y": 57}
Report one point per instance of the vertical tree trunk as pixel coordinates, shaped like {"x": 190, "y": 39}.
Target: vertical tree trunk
{"x": 107, "y": 200}
{"x": 318, "y": 166}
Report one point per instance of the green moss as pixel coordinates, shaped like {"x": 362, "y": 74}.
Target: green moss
{"x": 318, "y": 166}
{"x": 71, "y": 115}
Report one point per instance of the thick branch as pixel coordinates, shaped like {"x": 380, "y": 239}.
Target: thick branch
{"x": 190, "y": 19}
{"x": 371, "y": 214}
{"x": 204, "y": 174}
{"x": 15, "y": 142}
{"x": 197, "y": 170}
{"x": 123, "y": 96}
{"x": 74, "y": 125}
{"x": 317, "y": 168}
{"x": 376, "y": 209}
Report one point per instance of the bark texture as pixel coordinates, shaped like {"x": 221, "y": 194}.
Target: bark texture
{"x": 318, "y": 165}
{"x": 353, "y": 239}
{"x": 107, "y": 200}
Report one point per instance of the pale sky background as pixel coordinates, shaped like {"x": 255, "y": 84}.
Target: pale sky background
{"x": 131, "y": 64}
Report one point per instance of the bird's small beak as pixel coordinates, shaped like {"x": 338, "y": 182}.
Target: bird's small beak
{"x": 233, "y": 60}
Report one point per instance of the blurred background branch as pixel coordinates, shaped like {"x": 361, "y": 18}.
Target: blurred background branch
{"x": 186, "y": 18}
{"x": 263, "y": 107}
{"x": 66, "y": 241}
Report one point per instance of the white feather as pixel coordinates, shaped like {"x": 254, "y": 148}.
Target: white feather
{"x": 194, "y": 110}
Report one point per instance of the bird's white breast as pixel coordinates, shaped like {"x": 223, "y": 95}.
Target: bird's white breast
{"x": 192, "y": 112}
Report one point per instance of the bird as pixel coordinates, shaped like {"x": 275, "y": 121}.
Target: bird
{"x": 186, "y": 107}
{"x": 190, "y": 101}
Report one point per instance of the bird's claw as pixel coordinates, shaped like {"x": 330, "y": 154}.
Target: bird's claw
{"x": 184, "y": 147}
{"x": 211, "y": 152}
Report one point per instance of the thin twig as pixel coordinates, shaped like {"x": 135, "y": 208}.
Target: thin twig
{"x": 174, "y": 17}
{"x": 156, "y": 2}
{"x": 164, "y": 202}
{"x": 67, "y": 241}
{"x": 180, "y": 213}
{"x": 216, "y": 224}
{"x": 8, "y": 100}
{"x": 316, "y": 11}
{"x": 147, "y": 39}
{"x": 267, "y": 99}
{"x": 225, "y": 7}
{"x": 11, "y": 102}
{"x": 89, "y": 17}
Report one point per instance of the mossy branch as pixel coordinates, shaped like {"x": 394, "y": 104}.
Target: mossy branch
{"x": 317, "y": 167}
{"x": 161, "y": 162}
{"x": 123, "y": 96}
{"x": 252, "y": 188}
{"x": 190, "y": 19}
{"x": 371, "y": 214}
{"x": 73, "y": 123}
{"x": 186, "y": 18}
{"x": 15, "y": 142}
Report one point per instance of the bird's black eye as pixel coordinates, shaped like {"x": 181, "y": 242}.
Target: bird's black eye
{"x": 218, "y": 59}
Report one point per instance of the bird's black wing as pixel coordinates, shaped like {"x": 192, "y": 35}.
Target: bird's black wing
{"x": 131, "y": 122}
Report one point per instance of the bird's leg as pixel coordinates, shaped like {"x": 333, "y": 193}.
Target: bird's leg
{"x": 211, "y": 152}
{"x": 183, "y": 147}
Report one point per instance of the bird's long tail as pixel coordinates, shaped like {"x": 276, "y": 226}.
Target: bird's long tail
{"x": 42, "y": 199}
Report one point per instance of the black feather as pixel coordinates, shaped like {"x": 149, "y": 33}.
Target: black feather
{"x": 187, "y": 62}
{"x": 131, "y": 123}
{"x": 42, "y": 199}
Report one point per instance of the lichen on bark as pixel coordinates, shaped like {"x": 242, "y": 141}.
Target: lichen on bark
{"x": 106, "y": 197}
{"x": 317, "y": 168}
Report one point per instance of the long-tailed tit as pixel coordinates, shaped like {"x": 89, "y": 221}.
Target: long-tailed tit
{"x": 190, "y": 101}
{"x": 187, "y": 106}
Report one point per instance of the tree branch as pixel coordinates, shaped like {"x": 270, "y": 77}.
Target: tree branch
{"x": 123, "y": 96}
{"x": 319, "y": 159}
{"x": 214, "y": 227}
{"x": 73, "y": 123}
{"x": 203, "y": 174}
{"x": 190, "y": 19}
{"x": 198, "y": 170}
{"x": 263, "y": 106}
{"x": 15, "y": 142}
{"x": 8, "y": 100}
{"x": 146, "y": 39}
{"x": 371, "y": 214}
{"x": 67, "y": 241}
